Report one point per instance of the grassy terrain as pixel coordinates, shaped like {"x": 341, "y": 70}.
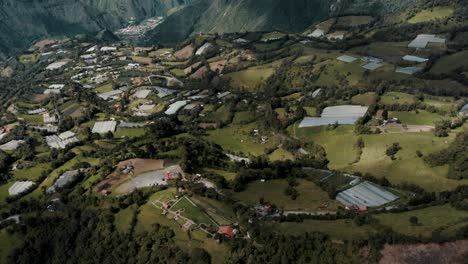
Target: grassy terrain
{"x": 192, "y": 212}
{"x": 218, "y": 211}
{"x": 364, "y": 99}
{"x": 413, "y": 118}
{"x": 273, "y": 35}
{"x": 353, "y": 21}
{"x": 237, "y": 138}
{"x": 339, "y": 146}
{"x": 7, "y": 244}
{"x": 242, "y": 117}
{"x": 32, "y": 173}
{"x": 441, "y": 102}
{"x": 250, "y": 78}
{"x": 150, "y": 215}
{"x": 57, "y": 172}
{"x": 226, "y": 174}
{"x": 450, "y": 63}
{"x": 123, "y": 219}
{"x": 32, "y": 119}
{"x": 281, "y": 154}
{"x": 104, "y": 88}
{"x": 439, "y": 12}
{"x": 129, "y": 132}
{"x": 309, "y": 199}
{"x": 333, "y": 72}
{"x": 28, "y": 59}
{"x": 4, "y": 191}
{"x": 396, "y": 98}
{"x": 407, "y": 167}
{"x": 338, "y": 143}
{"x": 430, "y": 219}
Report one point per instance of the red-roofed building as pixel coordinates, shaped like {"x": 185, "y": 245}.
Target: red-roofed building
{"x": 171, "y": 175}
{"x": 227, "y": 231}
{"x": 357, "y": 208}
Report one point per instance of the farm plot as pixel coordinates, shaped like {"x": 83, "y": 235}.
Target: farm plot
{"x": 429, "y": 219}
{"x": 250, "y": 78}
{"x": 238, "y": 138}
{"x": 407, "y": 167}
{"x": 338, "y": 143}
{"x": 435, "y": 13}
{"x": 416, "y": 118}
{"x": 150, "y": 215}
{"x": 311, "y": 197}
{"x": 190, "y": 210}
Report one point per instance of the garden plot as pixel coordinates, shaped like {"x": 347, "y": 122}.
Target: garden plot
{"x": 104, "y": 127}
{"x": 421, "y": 41}
{"x": 343, "y": 114}
{"x": 63, "y": 180}
{"x": 189, "y": 209}
{"x": 12, "y": 145}
{"x": 20, "y": 187}
{"x": 366, "y": 194}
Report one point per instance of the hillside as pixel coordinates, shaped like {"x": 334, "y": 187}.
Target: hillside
{"x": 224, "y": 16}
{"x": 70, "y": 17}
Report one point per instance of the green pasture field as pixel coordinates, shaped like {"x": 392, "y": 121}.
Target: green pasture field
{"x": 427, "y": 15}
{"x": 419, "y": 118}
{"x": 430, "y": 218}
{"x": 310, "y": 195}
{"x": 237, "y": 138}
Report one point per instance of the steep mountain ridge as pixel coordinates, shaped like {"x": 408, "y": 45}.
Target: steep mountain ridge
{"x": 22, "y": 21}
{"x": 219, "y": 16}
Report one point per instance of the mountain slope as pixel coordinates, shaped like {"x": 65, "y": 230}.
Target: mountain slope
{"x": 22, "y": 21}
{"x": 219, "y": 16}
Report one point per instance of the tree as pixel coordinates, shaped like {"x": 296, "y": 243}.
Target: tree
{"x": 385, "y": 114}
{"x": 392, "y": 150}
{"x": 414, "y": 220}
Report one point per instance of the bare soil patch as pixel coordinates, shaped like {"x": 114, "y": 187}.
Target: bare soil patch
{"x": 185, "y": 52}
{"x": 451, "y": 252}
